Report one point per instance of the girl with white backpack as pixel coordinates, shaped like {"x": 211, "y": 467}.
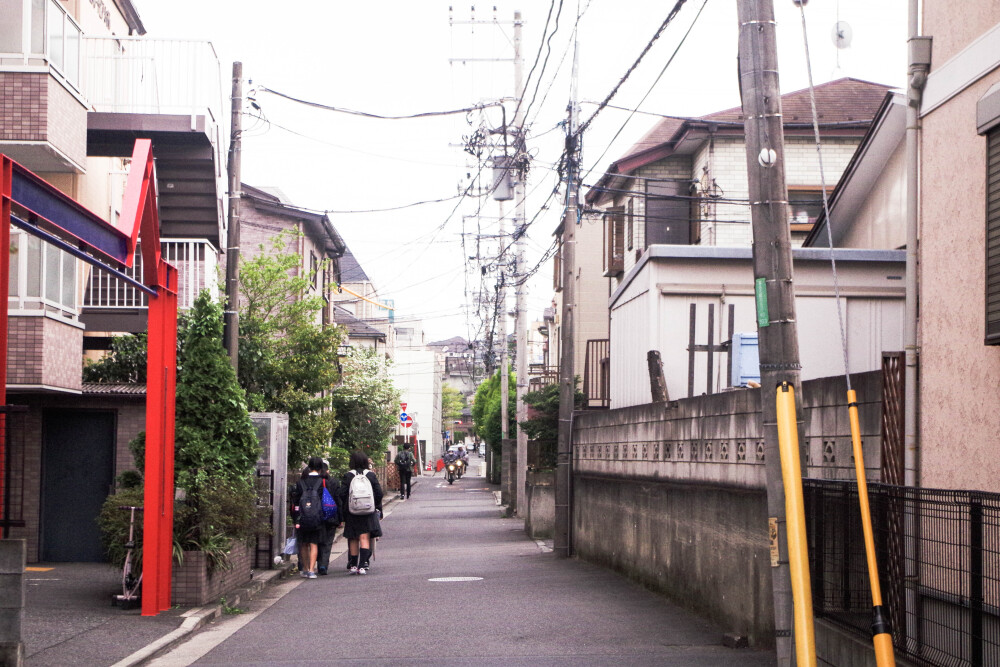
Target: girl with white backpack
{"x": 361, "y": 497}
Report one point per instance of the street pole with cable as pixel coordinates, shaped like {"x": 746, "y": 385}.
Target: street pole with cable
{"x": 567, "y": 350}
{"x": 232, "y": 312}
{"x": 773, "y": 287}
{"x": 521, "y": 324}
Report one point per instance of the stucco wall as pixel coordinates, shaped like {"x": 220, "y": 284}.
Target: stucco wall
{"x": 953, "y": 30}
{"x": 959, "y": 375}
{"x": 881, "y": 219}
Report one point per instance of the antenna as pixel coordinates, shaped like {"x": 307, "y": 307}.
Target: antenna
{"x": 842, "y": 34}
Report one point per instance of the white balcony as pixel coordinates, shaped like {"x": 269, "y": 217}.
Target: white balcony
{"x": 196, "y": 261}
{"x": 152, "y": 76}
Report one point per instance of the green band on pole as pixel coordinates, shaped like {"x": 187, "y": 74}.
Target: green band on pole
{"x": 760, "y": 294}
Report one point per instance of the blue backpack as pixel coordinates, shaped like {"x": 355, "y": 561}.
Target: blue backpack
{"x": 329, "y": 504}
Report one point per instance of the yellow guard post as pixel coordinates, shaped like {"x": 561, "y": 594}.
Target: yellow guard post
{"x": 795, "y": 517}
{"x": 881, "y": 637}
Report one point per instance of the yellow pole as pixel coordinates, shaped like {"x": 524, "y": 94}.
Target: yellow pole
{"x": 881, "y": 637}
{"x": 798, "y": 551}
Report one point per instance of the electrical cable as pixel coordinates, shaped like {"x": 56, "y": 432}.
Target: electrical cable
{"x": 614, "y": 91}
{"x": 648, "y": 92}
{"x": 366, "y": 114}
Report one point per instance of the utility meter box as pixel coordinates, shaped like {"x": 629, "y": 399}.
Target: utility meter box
{"x": 745, "y": 359}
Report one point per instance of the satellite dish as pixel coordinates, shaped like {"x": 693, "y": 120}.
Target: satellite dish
{"x": 842, "y": 34}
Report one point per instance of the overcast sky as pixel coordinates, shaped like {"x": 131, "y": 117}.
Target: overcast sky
{"x": 396, "y": 57}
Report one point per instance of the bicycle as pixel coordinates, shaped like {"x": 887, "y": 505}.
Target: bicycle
{"x": 130, "y": 595}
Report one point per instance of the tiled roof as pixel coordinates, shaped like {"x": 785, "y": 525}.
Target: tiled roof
{"x": 845, "y": 100}
{"x": 350, "y": 269}
{"x": 355, "y": 327}
{"x": 108, "y": 388}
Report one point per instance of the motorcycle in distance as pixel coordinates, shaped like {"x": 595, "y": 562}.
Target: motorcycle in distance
{"x": 451, "y": 471}
{"x": 459, "y": 467}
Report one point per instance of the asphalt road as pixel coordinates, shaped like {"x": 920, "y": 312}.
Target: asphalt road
{"x": 522, "y": 607}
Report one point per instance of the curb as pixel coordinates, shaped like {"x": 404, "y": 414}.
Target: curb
{"x": 198, "y": 617}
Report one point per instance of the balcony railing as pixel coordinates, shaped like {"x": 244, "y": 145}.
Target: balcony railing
{"x": 196, "y": 261}
{"x": 154, "y": 76}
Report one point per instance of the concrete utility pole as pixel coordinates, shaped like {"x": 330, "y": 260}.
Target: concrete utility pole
{"x": 567, "y": 350}
{"x": 772, "y": 270}
{"x": 232, "y": 313}
{"x": 521, "y": 323}
{"x": 506, "y": 472}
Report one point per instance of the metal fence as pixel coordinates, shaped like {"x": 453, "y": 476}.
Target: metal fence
{"x": 939, "y": 565}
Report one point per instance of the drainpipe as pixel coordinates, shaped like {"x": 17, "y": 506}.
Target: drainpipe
{"x": 919, "y": 63}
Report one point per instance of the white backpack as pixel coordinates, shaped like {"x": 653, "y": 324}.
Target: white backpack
{"x": 361, "y": 496}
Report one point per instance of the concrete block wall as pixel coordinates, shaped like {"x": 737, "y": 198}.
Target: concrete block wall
{"x": 673, "y": 495}
{"x": 12, "y": 597}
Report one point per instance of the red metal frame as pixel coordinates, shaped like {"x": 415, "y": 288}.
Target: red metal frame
{"x": 84, "y": 229}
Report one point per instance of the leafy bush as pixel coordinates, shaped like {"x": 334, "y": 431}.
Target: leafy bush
{"x": 543, "y": 426}
{"x": 486, "y": 410}
{"x": 125, "y": 362}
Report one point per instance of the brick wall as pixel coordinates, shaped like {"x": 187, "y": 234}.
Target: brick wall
{"x": 44, "y": 351}
{"x": 193, "y": 585}
{"x": 36, "y": 107}
{"x": 23, "y": 106}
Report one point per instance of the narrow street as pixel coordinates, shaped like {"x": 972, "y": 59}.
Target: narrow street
{"x": 520, "y": 605}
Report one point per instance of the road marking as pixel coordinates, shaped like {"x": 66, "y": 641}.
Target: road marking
{"x": 38, "y": 569}
{"x": 456, "y": 579}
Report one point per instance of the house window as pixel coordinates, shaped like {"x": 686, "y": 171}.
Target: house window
{"x": 805, "y": 206}
{"x": 630, "y": 226}
{"x": 668, "y": 213}
{"x": 993, "y": 237}
{"x": 42, "y": 277}
{"x": 614, "y": 241}
{"x": 41, "y": 28}
{"x": 313, "y": 270}
{"x": 557, "y": 266}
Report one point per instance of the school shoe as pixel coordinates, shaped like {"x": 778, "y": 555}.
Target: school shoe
{"x": 311, "y": 575}
{"x": 321, "y": 571}
{"x": 353, "y": 569}
{"x": 362, "y": 570}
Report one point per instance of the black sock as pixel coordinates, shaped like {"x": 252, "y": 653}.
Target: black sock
{"x": 365, "y": 556}
{"x": 352, "y": 561}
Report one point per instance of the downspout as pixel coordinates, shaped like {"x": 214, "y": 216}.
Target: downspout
{"x": 919, "y": 63}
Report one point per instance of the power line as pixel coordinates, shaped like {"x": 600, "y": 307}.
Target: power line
{"x": 367, "y": 114}
{"x": 614, "y": 91}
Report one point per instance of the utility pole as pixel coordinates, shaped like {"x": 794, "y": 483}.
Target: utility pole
{"x": 232, "y": 312}
{"x": 567, "y": 349}
{"x": 506, "y": 472}
{"x": 521, "y": 324}
{"x": 772, "y": 270}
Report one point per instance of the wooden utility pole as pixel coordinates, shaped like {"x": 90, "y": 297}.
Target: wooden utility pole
{"x": 506, "y": 451}
{"x": 772, "y": 270}
{"x": 567, "y": 350}
{"x": 232, "y": 313}
{"x": 521, "y": 322}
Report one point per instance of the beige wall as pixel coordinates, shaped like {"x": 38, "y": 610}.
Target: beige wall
{"x": 953, "y": 25}
{"x": 959, "y": 375}
{"x": 881, "y": 220}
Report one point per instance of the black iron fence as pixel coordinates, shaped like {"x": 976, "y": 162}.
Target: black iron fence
{"x": 939, "y": 566}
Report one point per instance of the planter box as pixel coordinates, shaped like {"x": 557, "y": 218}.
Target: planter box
{"x": 541, "y": 520}
{"x": 193, "y": 585}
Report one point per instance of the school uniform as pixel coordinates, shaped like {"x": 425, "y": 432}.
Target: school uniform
{"x": 356, "y": 525}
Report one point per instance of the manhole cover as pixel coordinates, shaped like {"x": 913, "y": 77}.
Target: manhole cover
{"x": 456, "y": 579}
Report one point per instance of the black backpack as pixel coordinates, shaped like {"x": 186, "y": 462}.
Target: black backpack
{"x": 404, "y": 460}
{"x": 310, "y": 506}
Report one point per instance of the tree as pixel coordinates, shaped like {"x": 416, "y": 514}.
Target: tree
{"x": 216, "y": 450}
{"x": 486, "y": 409}
{"x": 542, "y": 425}
{"x": 124, "y": 363}
{"x": 452, "y": 403}
{"x": 288, "y": 361}
{"x": 366, "y": 405}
